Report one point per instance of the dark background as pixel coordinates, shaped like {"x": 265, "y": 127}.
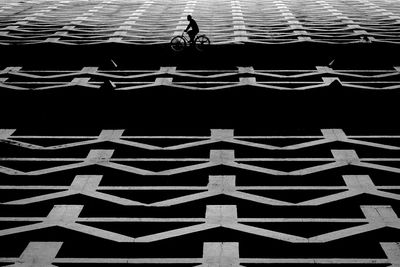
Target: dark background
{"x": 161, "y": 107}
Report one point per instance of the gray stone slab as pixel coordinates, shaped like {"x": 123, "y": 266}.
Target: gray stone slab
{"x": 221, "y": 254}
{"x": 392, "y": 251}
{"x": 221, "y": 214}
{"x": 345, "y": 156}
{"x": 6, "y": 133}
{"x": 222, "y": 156}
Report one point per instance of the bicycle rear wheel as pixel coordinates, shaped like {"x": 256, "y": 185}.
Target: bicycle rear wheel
{"x": 202, "y": 42}
{"x": 178, "y": 43}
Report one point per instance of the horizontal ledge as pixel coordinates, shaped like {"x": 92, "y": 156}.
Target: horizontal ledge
{"x": 199, "y": 260}
{"x": 200, "y": 220}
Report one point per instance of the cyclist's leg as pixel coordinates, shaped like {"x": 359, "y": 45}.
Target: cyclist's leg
{"x": 191, "y": 35}
{"x": 194, "y": 36}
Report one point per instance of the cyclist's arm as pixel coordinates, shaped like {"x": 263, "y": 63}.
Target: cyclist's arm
{"x": 187, "y": 28}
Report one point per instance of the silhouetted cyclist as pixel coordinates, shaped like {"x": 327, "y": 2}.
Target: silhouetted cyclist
{"x": 194, "y": 29}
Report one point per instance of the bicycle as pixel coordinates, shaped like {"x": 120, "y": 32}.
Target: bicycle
{"x": 179, "y": 42}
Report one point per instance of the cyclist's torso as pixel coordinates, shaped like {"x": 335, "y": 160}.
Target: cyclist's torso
{"x": 193, "y": 25}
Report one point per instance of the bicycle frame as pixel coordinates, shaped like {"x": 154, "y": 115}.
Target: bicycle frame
{"x": 185, "y": 36}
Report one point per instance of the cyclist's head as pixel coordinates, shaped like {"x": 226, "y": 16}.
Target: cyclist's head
{"x": 189, "y": 17}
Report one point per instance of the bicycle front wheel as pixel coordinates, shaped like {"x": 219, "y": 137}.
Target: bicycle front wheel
{"x": 178, "y": 43}
{"x": 202, "y": 42}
